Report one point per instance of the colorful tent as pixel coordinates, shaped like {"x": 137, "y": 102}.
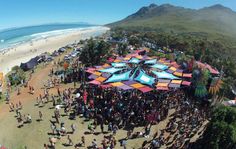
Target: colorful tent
{"x": 134, "y": 60}
{"x": 119, "y": 77}
{"x": 118, "y": 64}
{"x": 110, "y": 70}
{"x": 164, "y": 75}
{"x": 144, "y": 78}
{"x": 204, "y": 65}
{"x": 146, "y": 75}
{"x": 160, "y": 66}
{"x": 151, "y": 61}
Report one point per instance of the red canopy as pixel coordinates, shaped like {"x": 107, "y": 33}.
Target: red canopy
{"x": 106, "y": 86}
{"x": 145, "y": 89}
{"x": 95, "y": 82}
{"x": 186, "y": 83}
{"x": 163, "y": 88}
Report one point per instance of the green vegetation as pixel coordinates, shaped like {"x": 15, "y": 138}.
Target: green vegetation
{"x": 215, "y": 23}
{"x": 221, "y": 131}
{"x": 211, "y": 52}
{"x": 122, "y": 49}
{"x": 16, "y": 76}
{"x": 95, "y": 52}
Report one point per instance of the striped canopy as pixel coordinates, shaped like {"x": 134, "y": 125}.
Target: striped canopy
{"x": 146, "y": 75}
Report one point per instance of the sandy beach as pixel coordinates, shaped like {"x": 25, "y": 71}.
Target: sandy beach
{"x": 24, "y": 52}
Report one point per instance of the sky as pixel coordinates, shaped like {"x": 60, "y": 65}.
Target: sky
{"x": 16, "y": 13}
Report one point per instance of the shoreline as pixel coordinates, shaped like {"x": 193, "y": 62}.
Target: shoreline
{"x": 24, "y": 52}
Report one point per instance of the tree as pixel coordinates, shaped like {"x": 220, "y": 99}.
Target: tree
{"x": 17, "y": 75}
{"x": 134, "y": 40}
{"x": 122, "y": 49}
{"x": 95, "y": 52}
{"x": 221, "y": 130}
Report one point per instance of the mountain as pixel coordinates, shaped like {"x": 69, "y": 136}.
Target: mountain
{"x": 216, "y": 18}
{"x": 216, "y": 22}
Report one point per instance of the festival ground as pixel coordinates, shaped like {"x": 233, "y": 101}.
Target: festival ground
{"x": 35, "y": 134}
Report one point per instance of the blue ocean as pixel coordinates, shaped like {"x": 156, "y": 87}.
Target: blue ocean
{"x": 14, "y": 36}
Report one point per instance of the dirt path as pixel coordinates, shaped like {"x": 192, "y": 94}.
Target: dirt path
{"x": 36, "y": 82}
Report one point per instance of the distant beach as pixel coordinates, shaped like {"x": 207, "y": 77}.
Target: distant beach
{"x": 44, "y": 42}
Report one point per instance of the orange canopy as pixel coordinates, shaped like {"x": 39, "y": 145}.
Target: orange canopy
{"x": 100, "y": 79}
{"x": 162, "y": 84}
{"x": 97, "y": 73}
{"x": 116, "y": 84}
{"x": 137, "y": 85}
{"x": 176, "y": 81}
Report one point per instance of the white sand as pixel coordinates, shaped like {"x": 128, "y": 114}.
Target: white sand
{"x": 24, "y": 52}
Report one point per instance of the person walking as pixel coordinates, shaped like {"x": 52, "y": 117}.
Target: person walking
{"x": 69, "y": 140}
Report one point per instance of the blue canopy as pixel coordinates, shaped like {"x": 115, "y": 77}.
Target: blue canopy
{"x": 111, "y": 70}
{"x": 118, "y": 64}
{"x": 134, "y": 60}
{"x": 160, "y": 66}
{"x": 164, "y": 75}
{"x": 119, "y": 77}
{"x": 152, "y": 61}
{"x": 144, "y": 78}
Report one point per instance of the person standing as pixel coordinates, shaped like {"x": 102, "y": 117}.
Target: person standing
{"x": 53, "y": 127}
{"x": 18, "y": 91}
{"x": 32, "y": 89}
{"x": 102, "y": 127}
{"x": 40, "y": 116}
{"x": 20, "y": 105}
{"x": 94, "y": 144}
{"x": 73, "y": 127}
{"x": 124, "y": 142}
{"x": 114, "y": 129}
{"x": 82, "y": 141}
{"x": 45, "y": 146}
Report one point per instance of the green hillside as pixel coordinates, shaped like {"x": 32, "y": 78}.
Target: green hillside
{"x": 215, "y": 23}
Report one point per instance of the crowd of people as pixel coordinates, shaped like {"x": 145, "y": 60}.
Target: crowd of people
{"x": 117, "y": 109}
{"x": 112, "y": 109}
{"x": 130, "y": 109}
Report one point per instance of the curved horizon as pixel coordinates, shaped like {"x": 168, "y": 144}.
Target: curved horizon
{"x": 27, "y": 13}
{"x": 53, "y": 23}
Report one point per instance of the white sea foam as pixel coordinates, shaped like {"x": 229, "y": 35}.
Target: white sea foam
{"x": 43, "y": 35}
{"x": 38, "y": 36}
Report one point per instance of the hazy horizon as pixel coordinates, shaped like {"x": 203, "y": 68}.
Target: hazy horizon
{"x": 31, "y": 13}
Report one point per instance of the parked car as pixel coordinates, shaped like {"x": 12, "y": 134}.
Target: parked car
{"x": 55, "y": 53}
{"x": 61, "y": 50}
{"x": 67, "y": 57}
{"x": 49, "y": 58}
{"x": 74, "y": 54}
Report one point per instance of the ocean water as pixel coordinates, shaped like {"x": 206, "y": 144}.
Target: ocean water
{"x": 15, "y": 36}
